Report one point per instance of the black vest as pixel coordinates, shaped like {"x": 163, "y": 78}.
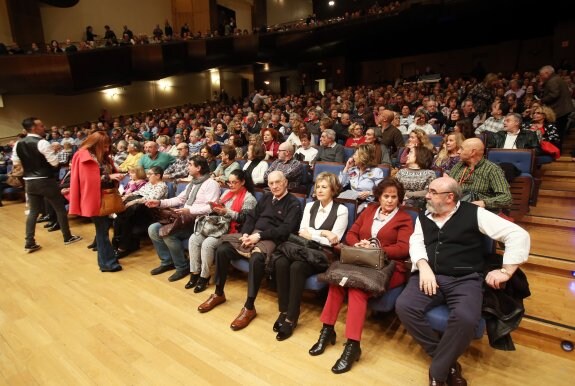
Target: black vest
{"x": 457, "y": 249}
{"x": 33, "y": 162}
{"x": 329, "y": 221}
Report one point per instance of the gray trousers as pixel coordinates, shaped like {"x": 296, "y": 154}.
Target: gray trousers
{"x": 202, "y": 253}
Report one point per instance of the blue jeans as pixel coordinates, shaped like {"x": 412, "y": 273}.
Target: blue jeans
{"x": 169, "y": 248}
{"x": 106, "y": 259}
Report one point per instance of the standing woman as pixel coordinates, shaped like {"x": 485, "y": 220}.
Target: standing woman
{"x": 236, "y": 203}
{"x": 392, "y": 227}
{"x": 92, "y": 171}
{"x": 323, "y": 221}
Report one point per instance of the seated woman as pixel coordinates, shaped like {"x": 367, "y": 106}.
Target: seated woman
{"x": 381, "y": 151}
{"x": 234, "y": 205}
{"x": 416, "y": 176}
{"x": 420, "y": 122}
{"x": 361, "y": 174}
{"x": 464, "y": 127}
{"x": 228, "y": 164}
{"x": 542, "y": 120}
{"x": 221, "y": 133}
{"x": 256, "y": 167}
{"x": 137, "y": 213}
{"x": 356, "y": 136}
{"x": 208, "y": 154}
{"x": 137, "y": 180}
{"x": 213, "y": 144}
{"x": 271, "y": 144}
{"x": 306, "y": 152}
{"x": 323, "y": 221}
{"x": 454, "y": 116}
{"x": 417, "y": 138}
{"x": 449, "y": 154}
{"x": 392, "y": 227}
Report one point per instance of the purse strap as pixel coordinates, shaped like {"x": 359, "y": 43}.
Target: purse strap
{"x": 375, "y": 240}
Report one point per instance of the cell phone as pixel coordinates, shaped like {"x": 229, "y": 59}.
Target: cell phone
{"x": 216, "y": 205}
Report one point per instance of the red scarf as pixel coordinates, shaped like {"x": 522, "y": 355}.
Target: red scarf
{"x": 236, "y": 205}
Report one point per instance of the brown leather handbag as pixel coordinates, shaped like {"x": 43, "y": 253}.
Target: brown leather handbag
{"x": 365, "y": 257}
{"x": 111, "y": 202}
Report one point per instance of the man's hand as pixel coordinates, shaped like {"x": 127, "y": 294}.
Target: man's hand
{"x": 250, "y": 241}
{"x": 495, "y": 278}
{"x": 427, "y": 283}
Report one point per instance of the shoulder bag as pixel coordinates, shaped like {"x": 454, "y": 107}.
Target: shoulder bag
{"x": 110, "y": 202}
{"x": 365, "y": 257}
{"x": 212, "y": 225}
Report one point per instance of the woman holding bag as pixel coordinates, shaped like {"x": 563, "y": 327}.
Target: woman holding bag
{"x": 324, "y": 221}
{"x": 92, "y": 171}
{"x": 233, "y": 206}
{"x": 392, "y": 227}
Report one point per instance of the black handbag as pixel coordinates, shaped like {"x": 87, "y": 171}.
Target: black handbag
{"x": 365, "y": 257}
{"x": 302, "y": 241}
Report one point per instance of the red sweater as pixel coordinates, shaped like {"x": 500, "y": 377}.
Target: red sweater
{"x": 394, "y": 238}
{"x": 84, "y": 185}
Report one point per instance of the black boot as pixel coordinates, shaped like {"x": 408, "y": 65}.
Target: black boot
{"x": 351, "y": 353}
{"x": 193, "y": 280}
{"x": 202, "y": 285}
{"x": 327, "y": 334}
{"x": 286, "y": 330}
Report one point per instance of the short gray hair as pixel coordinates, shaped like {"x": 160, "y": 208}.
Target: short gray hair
{"x": 330, "y": 133}
{"x": 454, "y": 188}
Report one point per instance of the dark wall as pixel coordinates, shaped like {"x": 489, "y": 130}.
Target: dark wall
{"x": 25, "y": 21}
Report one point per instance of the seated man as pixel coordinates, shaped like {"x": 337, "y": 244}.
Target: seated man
{"x": 329, "y": 150}
{"x": 512, "y": 137}
{"x": 449, "y": 271}
{"x": 291, "y": 168}
{"x": 483, "y": 183}
{"x": 179, "y": 169}
{"x": 154, "y": 157}
{"x": 275, "y": 216}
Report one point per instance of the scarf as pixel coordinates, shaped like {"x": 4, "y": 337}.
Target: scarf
{"x": 194, "y": 187}
{"x": 237, "y": 204}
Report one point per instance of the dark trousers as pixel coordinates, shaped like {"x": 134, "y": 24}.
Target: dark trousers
{"x": 226, "y": 253}
{"x": 38, "y": 190}
{"x": 464, "y": 296}
{"x": 290, "y": 280}
{"x": 561, "y": 125}
{"x": 106, "y": 259}
{"x": 124, "y": 224}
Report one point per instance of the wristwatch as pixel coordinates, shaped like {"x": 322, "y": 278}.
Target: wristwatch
{"x": 503, "y": 270}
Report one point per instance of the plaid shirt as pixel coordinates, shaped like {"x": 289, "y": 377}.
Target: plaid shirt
{"x": 179, "y": 169}
{"x": 491, "y": 124}
{"x": 64, "y": 157}
{"x": 486, "y": 180}
{"x": 292, "y": 170}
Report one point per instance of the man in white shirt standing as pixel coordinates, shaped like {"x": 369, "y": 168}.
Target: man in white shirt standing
{"x": 450, "y": 271}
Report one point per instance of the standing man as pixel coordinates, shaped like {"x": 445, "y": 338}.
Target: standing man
{"x": 448, "y": 270}
{"x": 39, "y": 162}
{"x": 556, "y": 95}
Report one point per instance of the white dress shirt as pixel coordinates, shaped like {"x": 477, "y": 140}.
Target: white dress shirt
{"x": 322, "y": 213}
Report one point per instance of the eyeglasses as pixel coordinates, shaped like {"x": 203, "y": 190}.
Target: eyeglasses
{"x": 233, "y": 182}
{"x": 281, "y": 150}
{"x": 151, "y": 174}
{"x": 435, "y": 193}
{"x": 181, "y": 148}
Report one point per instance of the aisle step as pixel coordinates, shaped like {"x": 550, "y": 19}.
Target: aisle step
{"x": 555, "y": 242}
{"x": 560, "y": 207}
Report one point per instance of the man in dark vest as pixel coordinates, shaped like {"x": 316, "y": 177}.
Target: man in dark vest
{"x": 275, "y": 216}
{"x": 447, "y": 252}
{"x": 40, "y": 163}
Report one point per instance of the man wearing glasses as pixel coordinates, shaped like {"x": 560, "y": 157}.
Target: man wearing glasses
{"x": 291, "y": 168}
{"x": 179, "y": 169}
{"x": 447, "y": 270}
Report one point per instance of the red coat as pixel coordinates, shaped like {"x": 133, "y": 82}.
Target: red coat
{"x": 394, "y": 238}
{"x": 84, "y": 185}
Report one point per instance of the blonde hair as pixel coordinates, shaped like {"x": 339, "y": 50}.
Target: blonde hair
{"x": 332, "y": 180}
{"x": 423, "y": 139}
{"x": 366, "y": 155}
{"x": 443, "y": 153}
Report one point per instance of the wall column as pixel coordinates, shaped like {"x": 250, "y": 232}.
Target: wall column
{"x": 199, "y": 14}
{"x": 25, "y": 22}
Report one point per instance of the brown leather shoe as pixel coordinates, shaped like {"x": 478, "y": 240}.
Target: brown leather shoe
{"x": 243, "y": 319}
{"x": 435, "y": 382}
{"x": 454, "y": 378}
{"x": 213, "y": 301}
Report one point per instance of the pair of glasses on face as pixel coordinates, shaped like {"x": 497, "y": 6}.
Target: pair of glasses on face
{"x": 435, "y": 193}
{"x": 233, "y": 183}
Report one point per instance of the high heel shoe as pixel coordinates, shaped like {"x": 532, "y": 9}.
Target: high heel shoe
{"x": 279, "y": 321}
{"x": 202, "y": 285}
{"x": 193, "y": 280}
{"x": 286, "y": 330}
{"x": 326, "y": 335}
{"x": 351, "y": 353}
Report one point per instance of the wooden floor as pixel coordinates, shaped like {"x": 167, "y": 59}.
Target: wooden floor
{"x": 62, "y": 322}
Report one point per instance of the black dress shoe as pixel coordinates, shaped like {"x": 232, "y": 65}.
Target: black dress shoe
{"x": 202, "y": 285}
{"x": 50, "y": 224}
{"x": 54, "y": 227}
{"x": 178, "y": 275}
{"x": 162, "y": 269}
{"x": 119, "y": 254}
{"x": 43, "y": 219}
{"x": 326, "y": 335}
{"x": 351, "y": 353}
{"x": 93, "y": 245}
{"x": 193, "y": 280}
{"x": 454, "y": 378}
{"x": 286, "y": 330}
{"x": 435, "y": 382}
{"x": 278, "y": 324}
{"x": 115, "y": 269}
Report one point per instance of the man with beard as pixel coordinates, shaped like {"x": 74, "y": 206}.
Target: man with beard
{"x": 447, "y": 270}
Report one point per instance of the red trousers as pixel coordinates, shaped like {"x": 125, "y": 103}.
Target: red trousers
{"x": 356, "y": 309}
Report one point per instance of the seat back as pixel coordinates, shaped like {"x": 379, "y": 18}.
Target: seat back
{"x": 523, "y": 159}
{"x": 332, "y": 167}
{"x": 348, "y": 152}
{"x": 180, "y": 187}
{"x": 436, "y": 140}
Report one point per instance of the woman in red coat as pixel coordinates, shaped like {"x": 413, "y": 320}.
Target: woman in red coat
{"x": 392, "y": 227}
{"x": 92, "y": 170}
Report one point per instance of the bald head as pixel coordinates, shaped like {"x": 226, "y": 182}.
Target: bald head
{"x": 471, "y": 151}
{"x": 446, "y": 184}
